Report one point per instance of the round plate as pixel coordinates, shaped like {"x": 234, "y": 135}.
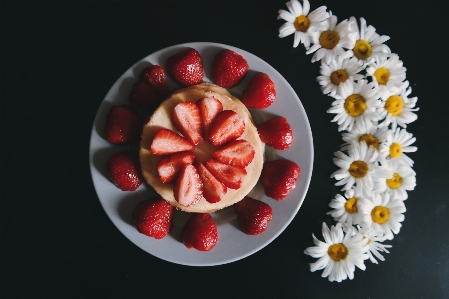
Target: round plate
{"x": 233, "y": 244}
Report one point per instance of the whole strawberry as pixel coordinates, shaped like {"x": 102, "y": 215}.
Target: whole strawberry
{"x": 124, "y": 170}
{"x": 186, "y": 67}
{"x": 260, "y": 92}
{"x": 153, "y": 217}
{"x": 144, "y": 97}
{"x": 277, "y": 133}
{"x": 123, "y": 125}
{"x": 229, "y": 69}
{"x": 200, "y": 232}
{"x": 154, "y": 76}
{"x": 279, "y": 177}
{"x": 253, "y": 215}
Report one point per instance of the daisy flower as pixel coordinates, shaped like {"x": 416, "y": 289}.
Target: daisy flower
{"x": 397, "y": 144}
{"x": 345, "y": 208}
{"x": 337, "y": 72}
{"x": 374, "y": 239}
{"x": 383, "y": 214}
{"x": 367, "y": 44}
{"x": 355, "y": 102}
{"x": 339, "y": 254}
{"x": 300, "y": 22}
{"x": 397, "y": 108}
{"x": 402, "y": 180}
{"x": 359, "y": 167}
{"x": 330, "y": 41}
{"x": 386, "y": 72}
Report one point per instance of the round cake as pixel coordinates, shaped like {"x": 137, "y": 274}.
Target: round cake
{"x": 161, "y": 118}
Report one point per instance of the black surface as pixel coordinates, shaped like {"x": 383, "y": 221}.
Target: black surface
{"x": 59, "y": 59}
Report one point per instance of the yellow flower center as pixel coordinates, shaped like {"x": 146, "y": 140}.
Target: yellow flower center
{"x": 395, "y": 181}
{"x": 395, "y": 150}
{"x": 358, "y": 169}
{"x": 355, "y": 105}
{"x": 351, "y": 205}
{"x": 337, "y": 252}
{"x": 370, "y": 140}
{"x": 301, "y": 23}
{"x": 362, "y": 49}
{"x": 329, "y": 39}
{"x": 339, "y": 76}
{"x": 394, "y": 105}
{"x": 382, "y": 75}
{"x": 380, "y": 214}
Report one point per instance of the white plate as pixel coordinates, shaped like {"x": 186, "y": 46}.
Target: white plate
{"x": 233, "y": 244}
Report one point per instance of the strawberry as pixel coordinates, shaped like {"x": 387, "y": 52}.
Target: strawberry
{"x": 188, "y": 188}
{"x": 124, "y": 170}
{"x": 277, "y": 133}
{"x": 209, "y": 109}
{"x": 228, "y": 125}
{"x": 169, "y": 167}
{"x": 236, "y": 153}
{"x": 154, "y": 76}
{"x": 200, "y": 232}
{"x": 186, "y": 67}
{"x": 260, "y": 92}
{"x": 167, "y": 142}
{"x": 144, "y": 97}
{"x": 123, "y": 125}
{"x": 253, "y": 215}
{"x": 229, "y": 69}
{"x": 213, "y": 189}
{"x": 279, "y": 177}
{"x": 153, "y": 217}
{"x": 231, "y": 176}
{"x": 187, "y": 119}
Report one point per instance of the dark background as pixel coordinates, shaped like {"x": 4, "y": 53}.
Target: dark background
{"x": 58, "y": 61}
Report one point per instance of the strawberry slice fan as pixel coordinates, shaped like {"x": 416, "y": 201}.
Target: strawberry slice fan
{"x": 212, "y": 160}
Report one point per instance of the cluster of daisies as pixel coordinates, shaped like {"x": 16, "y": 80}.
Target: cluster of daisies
{"x": 372, "y": 107}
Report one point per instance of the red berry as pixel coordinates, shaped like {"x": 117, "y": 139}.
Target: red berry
{"x": 187, "y": 119}
{"x": 123, "y": 125}
{"x": 260, "y": 92}
{"x": 200, "y": 232}
{"x": 188, "y": 188}
{"x": 153, "y": 218}
{"x": 230, "y": 176}
{"x": 169, "y": 167}
{"x": 229, "y": 69}
{"x": 228, "y": 125}
{"x": 144, "y": 97}
{"x": 277, "y": 133}
{"x": 213, "y": 189}
{"x": 279, "y": 177}
{"x": 209, "y": 109}
{"x": 124, "y": 170}
{"x": 167, "y": 142}
{"x": 154, "y": 76}
{"x": 253, "y": 215}
{"x": 237, "y": 153}
{"x": 186, "y": 67}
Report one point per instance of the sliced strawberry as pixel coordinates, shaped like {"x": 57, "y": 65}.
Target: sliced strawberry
{"x": 231, "y": 176}
{"x": 213, "y": 189}
{"x": 123, "y": 125}
{"x": 260, "y": 92}
{"x": 153, "y": 217}
{"x": 154, "y": 76}
{"x": 229, "y": 69}
{"x": 187, "y": 119}
{"x": 188, "y": 188}
{"x": 186, "y": 67}
{"x": 169, "y": 167}
{"x": 253, "y": 215}
{"x": 124, "y": 170}
{"x": 279, "y": 177}
{"x": 236, "y": 153}
{"x": 200, "y": 232}
{"x": 228, "y": 125}
{"x": 167, "y": 142}
{"x": 277, "y": 133}
{"x": 144, "y": 97}
{"x": 209, "y": 109}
